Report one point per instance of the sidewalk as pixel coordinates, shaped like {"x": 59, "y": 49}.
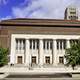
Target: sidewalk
{"x": 25, "y": 70}
{"x": 7, "y": 70}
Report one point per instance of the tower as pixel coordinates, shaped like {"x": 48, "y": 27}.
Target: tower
{"x": 71, "y": 13}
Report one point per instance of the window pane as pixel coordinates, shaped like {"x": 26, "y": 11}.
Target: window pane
{"x": 61, "y": 44}
{"x": 43, "y": 44}
{"x": 23, "y": 44}
{"x": 47, "y": 60}
{"x": 33, "y": 44}
{"x": 57, "y": 44}
{"x": 20, "y": 45}
{"x": 64, "y": 44}
{"x": 34, "y": 60}
{"x": 51, "y": 44}
{"x": 37, "y": 44}
{"x": 30, "y": 44}
{"x": 47, "y": 45}
{"x": 16, "y": 44}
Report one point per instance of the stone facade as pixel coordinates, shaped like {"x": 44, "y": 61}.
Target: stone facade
{"x": 38, "y": 41}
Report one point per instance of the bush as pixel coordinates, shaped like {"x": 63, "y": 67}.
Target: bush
{"x": 3, "y": 56}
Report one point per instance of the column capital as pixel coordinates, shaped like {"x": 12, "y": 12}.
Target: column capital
{"x": 67, "y": 39}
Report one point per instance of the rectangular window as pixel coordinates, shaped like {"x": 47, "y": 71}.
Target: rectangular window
{"x": 74, "y": 41}
{"x": 57, "y": 44}
{"x": 16, "y": 44}
{"x": 20, "y": 44}
{"x": 37, "y": 44}
{"x": 61, "y": 44}
{"x": 34, "y": 44}
{"x": 47, "y": 44}
{"x": 34, "y": 60}
{"x": 73, "y": 12}
{"x": 47, "y": 60}
{"x": 23, "y": 44}
{"x": 43, "y": 44}
{"x": 19, "y": 60}
{"x": 61, "y": 60}
{"x": 30, "y": 44}
{"x": 51, "y": 44}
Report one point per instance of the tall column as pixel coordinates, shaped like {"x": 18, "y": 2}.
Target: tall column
{"x": 32, "y": 44}
{"x": 22, "y": 44}
{"x": 67, "y": 46}
{"x": 27, "y": 57}
{"x": 12, "y": 52}
{"x": 41, "y": 53}
{"x": 54, "y": 52}
{"x": 35, "y": 44}
{"x": 68, "y": 43}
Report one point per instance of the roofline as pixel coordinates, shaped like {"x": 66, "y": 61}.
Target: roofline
{"x": 39, "y": 22}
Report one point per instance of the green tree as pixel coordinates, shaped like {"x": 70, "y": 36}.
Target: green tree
{"x": 72, "y": 55}
{"x": 3, "y": 56}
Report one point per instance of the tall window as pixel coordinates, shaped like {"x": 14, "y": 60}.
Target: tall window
{"x": 75, "y": 41}
{"x": 16, "y": 44}
{"x": 61, "y": 60}
{"x": 20, "y": 44}
{"x": 47, "y": 44}
{"x": 61, "y": 44}
{"x": 34, "y": 44}
{"x": 34, "y": 60}
{"x": 47, "y": 60}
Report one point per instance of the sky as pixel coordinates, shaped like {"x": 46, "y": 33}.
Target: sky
{"x": 48, "y": 9}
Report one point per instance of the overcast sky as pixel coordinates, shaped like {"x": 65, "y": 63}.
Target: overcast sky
{"x": 53, "y": 9}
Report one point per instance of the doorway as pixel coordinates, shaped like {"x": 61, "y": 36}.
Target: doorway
{"x": 47, "y": 60}
{"x": 34, "y": 60}
{"x": 19, "y": 60}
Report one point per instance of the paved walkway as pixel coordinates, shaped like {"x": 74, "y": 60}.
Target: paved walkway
{"x": 41, "y": 79}
{"x": 31, "y": 71}
{"x": 42, "y": 70}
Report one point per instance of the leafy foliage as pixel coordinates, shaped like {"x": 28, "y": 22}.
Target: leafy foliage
{"x": 3, "y": 56}
{"x": 72, "y": 55}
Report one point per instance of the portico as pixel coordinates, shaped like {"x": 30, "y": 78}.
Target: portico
{"x": 40, "y": 49}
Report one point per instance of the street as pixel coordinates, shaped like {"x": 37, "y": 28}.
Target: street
{"x": 41, "y": 77}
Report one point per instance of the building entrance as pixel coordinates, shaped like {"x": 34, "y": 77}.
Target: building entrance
{"x": 47, "y": 60}
{"x": 34, "y": 60}
{"x": 19, "y": 60}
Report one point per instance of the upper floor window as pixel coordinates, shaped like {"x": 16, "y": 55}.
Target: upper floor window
{"x": 47, "y": 44}
{"x": 75, "y": 41}
{"x": 61, "y": 44}
{"x": 73, "y": 12}
{"x": 20, "y": 44}
{"x": 34, "y": 44}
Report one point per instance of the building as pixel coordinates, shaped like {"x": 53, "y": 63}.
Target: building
{"x": 71, "y": 13}
{"x": 38, "y": 42}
